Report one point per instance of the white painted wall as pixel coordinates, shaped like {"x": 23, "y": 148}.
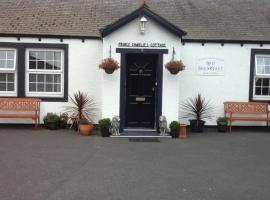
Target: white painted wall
{"x": 84, "y": 74}
{"x": 111, "y": 83}
{"x": 233, "y": 86}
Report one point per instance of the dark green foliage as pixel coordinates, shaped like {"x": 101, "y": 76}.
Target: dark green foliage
{"x": 51, "y": 117}
{"x": 222, "y": 121}
{"x": 174, "y": 126}
{"x": 106, "y": 122}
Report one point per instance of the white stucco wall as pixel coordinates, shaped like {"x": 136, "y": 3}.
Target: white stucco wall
{"x": 154, "y": 34}
{"x": 232, "y": 86}
{"x": 84, "y": 75}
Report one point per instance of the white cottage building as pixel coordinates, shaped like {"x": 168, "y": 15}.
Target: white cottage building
{"x": 51, "y": 49}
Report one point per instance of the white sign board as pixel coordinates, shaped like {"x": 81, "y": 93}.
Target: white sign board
{"x": 210, "y": 67}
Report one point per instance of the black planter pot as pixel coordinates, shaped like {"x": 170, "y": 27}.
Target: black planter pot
{"x": 109, "y": 71}
{"x": 104, "y": 131}
{"x": 52, "y": 125}
{"x": 196, "y": 126}
{"x": 62, "y": 124}
{"x": 174, "y": 134}
{"x": 174, "y": 71}
{"x": 222, "y": 128}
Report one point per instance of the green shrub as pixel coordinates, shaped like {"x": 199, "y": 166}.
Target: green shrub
{"x": 222, "y": 121}
{"x": 51, "y": 117}
{"x": 174, "y": 126}
{"x": 106, "y": 123}
{"x": 64, "y": 117}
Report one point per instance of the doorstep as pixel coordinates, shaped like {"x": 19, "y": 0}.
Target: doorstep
{"x": 140, "y": 133}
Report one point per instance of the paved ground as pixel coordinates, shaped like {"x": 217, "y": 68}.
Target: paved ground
{"x": 60, "y": 165}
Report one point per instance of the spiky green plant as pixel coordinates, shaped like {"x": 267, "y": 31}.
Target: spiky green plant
{"x": 197, "y": 108}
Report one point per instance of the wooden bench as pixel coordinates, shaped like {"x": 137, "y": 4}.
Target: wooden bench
{"x": 21, "y": 108}
{"x": 257, "y": 111}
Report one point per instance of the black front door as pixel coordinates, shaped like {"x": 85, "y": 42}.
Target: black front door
{"x": 141, "y": 70}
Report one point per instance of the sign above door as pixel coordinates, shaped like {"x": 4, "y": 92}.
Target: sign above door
{"x": 142, "y": 44}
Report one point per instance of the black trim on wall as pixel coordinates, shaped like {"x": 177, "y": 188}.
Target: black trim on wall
{"x": 21, "y": 68}
{"x": 158, "y": 97}
{"x": 21, "y": 35}
{"x": 140, "y": 12}
{"x": 252, "y": 71}
{"x": 241, "y": 42}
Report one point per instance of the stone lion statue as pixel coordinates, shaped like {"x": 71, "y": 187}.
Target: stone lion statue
{"x": 163, "y": 126}
{"x": 114, "y": 129}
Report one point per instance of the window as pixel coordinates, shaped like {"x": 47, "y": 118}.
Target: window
{"x": 45, "y": 73}
{"x": 261, "y": 82}
{"x": 8, "y": 72}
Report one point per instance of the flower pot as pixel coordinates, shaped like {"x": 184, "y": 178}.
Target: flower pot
{"x": 182, "y": 131}
{"x": 109, "y": 70}
{"x": 63, "y": 124}
{"x": 86, "y": 129}
{"x": 196, "y": 126}
{"x": 51, "y": 125}
{"x": 174, "y": 71}
{"x": 105, "y": 131}
{"x": 222, "y": 128}
{"x": 174, "y": 134}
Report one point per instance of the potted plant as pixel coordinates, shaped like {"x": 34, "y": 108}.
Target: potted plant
{"x": 85, "y": 127}
{"x": 174, "y": 127}
{"x": 174, "y": 66}
{"x": 104, "y": 125}
{"x": 51, "y": 121}
{"x": 109, "y": 65}
{"x": 83, "y": 107}
{"x": 63, "y": 120}
{"x": 198, "y": 109}
{"x": 222, "y": 123}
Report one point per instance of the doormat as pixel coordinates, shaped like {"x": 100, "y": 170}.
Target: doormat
{"x": 143, "y": 140}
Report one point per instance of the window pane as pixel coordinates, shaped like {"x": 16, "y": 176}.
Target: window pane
{"x": 2, "y": 77}
{"x": 40, "y": 87}
{"x": 40, "y": 55}
{"x": 267, "y": 70}
{"x": 49, "y": 87}
{"x": 57, "y": 88}
{"x": 258, "y": 91}
{"x": 41, "y": 65}
{"x": 32, "y": 65}
{"x": 10, "y": 87}
{"x": 10, "y": 55}
{"x": 57, "y": 65}
{"x": 32, "y": 77}
{"x": 2, "y": 63}
{"x": 267, "y": 60}
{"x": 265, "y": 91}
{"x": 10, "y": 64}
{"x": 259, "y": 60}
{"x": 57, "y": 56}
{"x": 49, "y": 78}
{"x": 258, "y": 82}
{"x": 57, "y": 78}
{"x": 32, "y": 55}
{"x": 10, "y": 77}
{"x": 2, "y": 86}
{"x": 260, "y": 69}
{"x": 49, "y": 65}
{"x": 2, "y": 54}
{"x": 49, "y": 55}
{"x": 32, "y": 87}
{"x": 40, "y": 78}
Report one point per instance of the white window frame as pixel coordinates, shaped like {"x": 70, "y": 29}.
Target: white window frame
{"x": 40, "y": 71}
{"x": 10, "y": 71}
{"x": 259, "y": 75}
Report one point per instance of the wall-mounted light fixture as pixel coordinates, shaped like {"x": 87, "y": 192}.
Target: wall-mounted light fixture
{"x": 143, "y": 22}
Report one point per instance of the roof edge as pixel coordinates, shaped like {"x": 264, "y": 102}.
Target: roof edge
{"x": 143, "y": 10}
{"x": 19, "y": 35}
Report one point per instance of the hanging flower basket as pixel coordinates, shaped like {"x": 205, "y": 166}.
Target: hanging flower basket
{"x": 174, "y": 66}
{"x": 109, "y": 65}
